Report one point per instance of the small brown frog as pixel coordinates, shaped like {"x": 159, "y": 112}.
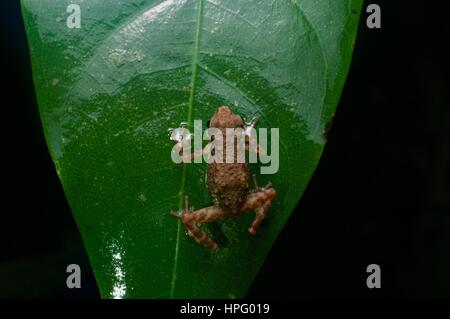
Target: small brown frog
{"x": 228, "y": 183}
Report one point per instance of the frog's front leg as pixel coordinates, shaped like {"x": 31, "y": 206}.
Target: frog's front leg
{"x": 190, "y": 220}
{"x": 178, "y": 136}
{"x": 251, "y": 144}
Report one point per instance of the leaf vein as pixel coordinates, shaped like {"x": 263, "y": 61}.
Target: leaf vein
{"x": 189, "y": 121}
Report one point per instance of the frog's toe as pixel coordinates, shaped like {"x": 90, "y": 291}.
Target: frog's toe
{"x": 180, "y": 133}
{"x": 177, "y": 214}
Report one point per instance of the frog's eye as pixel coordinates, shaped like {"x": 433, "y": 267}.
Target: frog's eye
{"x": 207, "y": 123}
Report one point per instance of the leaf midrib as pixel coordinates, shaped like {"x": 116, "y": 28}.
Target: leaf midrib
{"x": 195, "y": 59}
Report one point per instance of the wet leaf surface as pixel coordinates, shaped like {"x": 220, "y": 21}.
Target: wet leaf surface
{"x": 109, "y": 90}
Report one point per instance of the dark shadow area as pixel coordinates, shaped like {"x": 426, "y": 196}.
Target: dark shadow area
{"x": 38, "y": 234}
{"x": 381, "y": 193}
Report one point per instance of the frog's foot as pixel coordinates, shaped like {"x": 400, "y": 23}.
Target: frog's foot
{"x": 190, "y": 220}
{"x": 177, "y": 214}
{"x": 180, "y": 133}
{"x": 259, "y": 201}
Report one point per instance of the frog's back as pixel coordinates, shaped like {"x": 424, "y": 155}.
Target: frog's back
{"x": 228, "y": 183}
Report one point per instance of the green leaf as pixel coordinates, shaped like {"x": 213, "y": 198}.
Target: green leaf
{"x": 109, "y": 90}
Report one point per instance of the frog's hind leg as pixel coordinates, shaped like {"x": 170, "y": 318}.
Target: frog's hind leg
{"x": 261, "y": 214}
{"x": 259, "y": 201}
{"x": 190, "y": 220}
{"x": 200, "y": 236}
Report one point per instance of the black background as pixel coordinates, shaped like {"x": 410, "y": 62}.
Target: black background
{"x": 381, "y": 193}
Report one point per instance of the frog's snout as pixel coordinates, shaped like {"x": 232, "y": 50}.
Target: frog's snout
{"x": 224, "y": 109}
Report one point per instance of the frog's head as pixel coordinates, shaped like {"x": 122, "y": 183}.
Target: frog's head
{"x": 224, "y": 118}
